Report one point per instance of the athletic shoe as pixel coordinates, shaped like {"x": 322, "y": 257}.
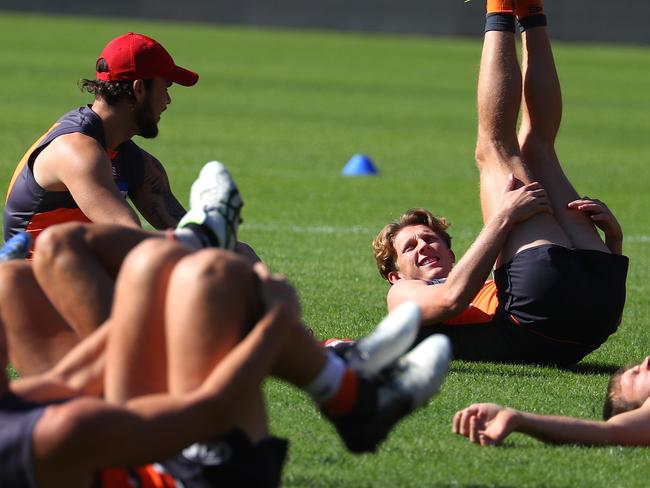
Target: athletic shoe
{"x": 338, "y": 345}
{"x": 215, "y": 205}
{"x": 422, "y": 370}
{"x": 387, "y": 398}
{"x": 17, "y": 247}
{"x": 382, "y": 347}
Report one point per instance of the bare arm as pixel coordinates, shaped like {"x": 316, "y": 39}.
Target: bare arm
{"x": 154, "y": 199}
{"x": 445, "y": 300}
{"x": 79, "y": 372}
{"x": 76, "y": 162}
{"x": 490, "y": 424}
{"x": 604, "y": 219}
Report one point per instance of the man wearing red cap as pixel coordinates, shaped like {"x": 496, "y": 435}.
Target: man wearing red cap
{"x": 86, "y": 164}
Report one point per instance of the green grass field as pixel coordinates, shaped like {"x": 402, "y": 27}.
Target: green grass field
{"x": 285, "y": 110}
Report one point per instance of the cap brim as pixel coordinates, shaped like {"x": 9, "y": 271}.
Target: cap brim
{"x": 183, "y": 76}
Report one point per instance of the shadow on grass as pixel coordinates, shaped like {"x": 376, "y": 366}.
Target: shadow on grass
{"x": 532, "y": 370}
{"x": 340, "y": 483}
{"x": 593, "y": 368}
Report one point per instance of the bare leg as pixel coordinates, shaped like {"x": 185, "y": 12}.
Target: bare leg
{"x": 541, "y": 116}
{"x": 37, "y": 335}
{"x": 76, "y": 265}
{"x": 136, "y": 352}
{"x": 221, "y": 293}
{"x": 497, "y": 150}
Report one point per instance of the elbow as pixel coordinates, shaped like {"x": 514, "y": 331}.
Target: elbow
{"x": 441, "y": 310}
{"x": 452, "y": 307}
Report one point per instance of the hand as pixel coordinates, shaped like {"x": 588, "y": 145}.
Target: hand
{"x": 276, "y": 291}
{"x": 522, "y": 203}
{"x": 486, "y": 424}
{"x": 603, "y": 218}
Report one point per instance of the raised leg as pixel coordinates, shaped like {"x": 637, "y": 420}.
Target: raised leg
{"x": 137, "y": 350}
{"x": 541, "y": 116}
{"x": 76, "y": 265}
{"x": 37, "y": 335}
{"x": 497, "y": 150}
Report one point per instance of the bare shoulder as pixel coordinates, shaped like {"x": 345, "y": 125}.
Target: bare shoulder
{"x": 75, "y": 150}
{"x": 74, "y": 142}
{"x": 403, "y": 291}
{"x": 66, "y": 156}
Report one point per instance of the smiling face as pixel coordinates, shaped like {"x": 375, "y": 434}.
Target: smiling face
{"x": 634, "y": 384}
{"x": 421, "y": 254}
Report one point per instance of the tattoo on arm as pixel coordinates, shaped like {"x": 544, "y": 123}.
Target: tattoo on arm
{"x": 155, "y": 199}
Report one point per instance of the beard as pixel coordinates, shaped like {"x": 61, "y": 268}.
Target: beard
{"x": 144, "y": 119}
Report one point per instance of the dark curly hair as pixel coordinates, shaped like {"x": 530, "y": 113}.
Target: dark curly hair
{"x": 112, "y": 92}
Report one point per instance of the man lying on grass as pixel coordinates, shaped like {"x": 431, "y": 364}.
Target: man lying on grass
{"x": 626, "y": 417}
{"x": 559, "y": 290}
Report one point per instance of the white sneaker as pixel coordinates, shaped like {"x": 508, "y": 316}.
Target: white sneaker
{"x": 215, "y": 205}
{"x": 390, "y": 339}
{"x": 385, "y": 399}
{"x": 420, "y": 372}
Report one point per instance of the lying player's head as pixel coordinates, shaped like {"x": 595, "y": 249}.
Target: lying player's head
{"x": 416, "y": 246}
{"x": 628, "y": 389}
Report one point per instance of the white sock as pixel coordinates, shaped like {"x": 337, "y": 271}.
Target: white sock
{"x": 328, "y": 381}
{"x": 189, "y": 238}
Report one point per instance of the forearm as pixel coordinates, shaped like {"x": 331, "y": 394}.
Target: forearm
{"x": 82, "y": 369}
{"x": 471, "y": 272}
{"x": 614, "y": 242}
{"x": 162, "y": 211}
{"x": 568, "y": 430}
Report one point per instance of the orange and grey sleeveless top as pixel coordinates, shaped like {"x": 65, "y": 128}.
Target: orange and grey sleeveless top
{"x": 31, "y": 208}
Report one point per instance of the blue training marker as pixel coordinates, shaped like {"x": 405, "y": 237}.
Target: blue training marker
{"x": 359, "y": 165}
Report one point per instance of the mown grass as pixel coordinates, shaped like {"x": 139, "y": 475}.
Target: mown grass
{"x": 285, "y": 109}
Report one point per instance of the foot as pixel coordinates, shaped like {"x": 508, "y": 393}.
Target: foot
{"x": 215, "y": 205}
{"x": 390, "y": 339}
{"x": 385, "y": 399}
{"x": 17, "y": 247}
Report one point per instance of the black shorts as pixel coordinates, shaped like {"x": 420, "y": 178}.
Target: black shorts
{"x": 231, "y": 461}
{"x": 556, "y": 305}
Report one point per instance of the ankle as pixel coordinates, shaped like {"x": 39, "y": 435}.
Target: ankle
{"x": 344, "y": 400}
{"x": 530, "y": 13}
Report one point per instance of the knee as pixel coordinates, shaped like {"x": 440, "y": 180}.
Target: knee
{"x": 217, "y": 265}
{"x": 218, "y": 275}
{"x": 150, "y": 258}
{"x": 55, "y": 241}
{"x": 534, "y": 147}
{"x": 223, "y": 279}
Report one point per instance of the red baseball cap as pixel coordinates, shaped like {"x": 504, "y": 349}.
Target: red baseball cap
{"x": 136, "y": 56}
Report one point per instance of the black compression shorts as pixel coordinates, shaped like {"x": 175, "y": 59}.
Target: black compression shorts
{"x": 231, "y": 461}
{"x": 556, "y": 305}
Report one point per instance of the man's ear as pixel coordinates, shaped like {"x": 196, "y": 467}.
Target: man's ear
{"x": 393, "y": 277}
{"x": 139, "y": 90}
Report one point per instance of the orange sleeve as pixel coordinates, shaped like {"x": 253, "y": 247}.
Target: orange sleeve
{"x": 482, "y": 308}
